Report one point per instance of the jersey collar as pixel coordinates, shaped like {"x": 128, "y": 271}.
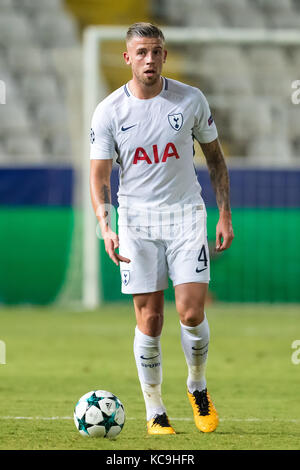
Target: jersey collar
{"x": 164, "y": 87}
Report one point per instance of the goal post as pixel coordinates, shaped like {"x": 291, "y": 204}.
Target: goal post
{"x": 95, "y": 89}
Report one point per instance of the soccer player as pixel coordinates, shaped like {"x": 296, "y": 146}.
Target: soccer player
{"x": 150, "y": 123}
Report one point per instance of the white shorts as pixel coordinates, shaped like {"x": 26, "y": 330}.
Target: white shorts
{"x": 177, "y": 251}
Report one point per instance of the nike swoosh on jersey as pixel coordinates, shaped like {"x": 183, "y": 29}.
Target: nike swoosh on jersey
{"x": 142, "y": 357}
{"x": 200, "y": 270}
{"x": 126, "y": 128}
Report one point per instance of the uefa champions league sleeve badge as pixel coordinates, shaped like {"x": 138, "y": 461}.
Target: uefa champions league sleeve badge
{"x": 92, "y": 136}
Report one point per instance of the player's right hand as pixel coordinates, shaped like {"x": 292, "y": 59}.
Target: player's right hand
{"x": 111, "y": 242}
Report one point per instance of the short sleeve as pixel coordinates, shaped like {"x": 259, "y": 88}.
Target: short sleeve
{"x": 204, "y": 129}
{"x": 101, "y": 136}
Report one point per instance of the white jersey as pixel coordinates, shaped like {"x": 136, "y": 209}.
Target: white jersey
{"x": 153, "y": 140}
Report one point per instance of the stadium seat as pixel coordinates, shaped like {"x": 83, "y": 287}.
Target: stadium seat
{"x": 32, "y": 6}
{"x": 296, "y": 148}
{"x": 244, "y": 18}
{"x": 215, "y": 59}
{"x": 3, "y": 64}
{"x": 6, "y": 5}
{"x": 55, "y": 31}
{"x": 14, "y": 119}
{"x": 271, "y": 71}
{"x": 277, "y": 6}
{"x": 268, "y": 58}
{"x": 27, "y": 146}
{"x": 295, "y": 60}
{"x": 22, "y": 59}
{"x": 221, "y": 70}
{"x": 292, "y": 122}
{"x": 250, "y": 119}
{"x": 174, "y": 12}
{"x": 232, "y": 82}
{"x": 15, "y": 29}
{"x": 270, "y": 150}
{"x": 296, "y": 5}
{"x": 61, "y": 147}
{"x": 221, "y": 5}
{"x": 57, "y": 144}
{"x": 12, "y": 90}
{"x": 39, "y": 87}
{"x": 202, "y": 16}
{"x": 271, "y": 83}
{"x": 3, "y": 155}
{"x": 51, "y": 117}
{"x": 286, "y": 19}
{"x": 240, "y": 13}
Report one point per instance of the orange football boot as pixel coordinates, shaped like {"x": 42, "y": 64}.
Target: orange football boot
{"x": 160, "y": 425}
{"x": 205, "y": 414}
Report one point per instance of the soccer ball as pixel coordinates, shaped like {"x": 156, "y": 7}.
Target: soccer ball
{"x": 99, "y": 414}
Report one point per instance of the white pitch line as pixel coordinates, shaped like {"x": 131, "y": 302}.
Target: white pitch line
{"x": 238, "y": 420}
{"x": 42, "y": 418}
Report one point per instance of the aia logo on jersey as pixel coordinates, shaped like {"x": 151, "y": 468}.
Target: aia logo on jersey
{"x": 141, "y": 154}
{"x": 175, "y": 121}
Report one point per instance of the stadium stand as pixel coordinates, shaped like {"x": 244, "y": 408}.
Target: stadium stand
{"x": 32, "y": 33}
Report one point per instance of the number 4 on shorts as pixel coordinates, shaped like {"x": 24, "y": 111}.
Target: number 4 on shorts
{"x": 202, "y": 257}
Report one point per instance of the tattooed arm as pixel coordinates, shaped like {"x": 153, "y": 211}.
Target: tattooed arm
{"x": 220, "y": 181}
{"x": 100, "y": 172}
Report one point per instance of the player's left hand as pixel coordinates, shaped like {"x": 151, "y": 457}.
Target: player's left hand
{"x": 111, "y": 243}
{"x": 224, "y": 231}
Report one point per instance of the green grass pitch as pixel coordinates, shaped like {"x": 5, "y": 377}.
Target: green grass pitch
{"x": 54, "y": 356}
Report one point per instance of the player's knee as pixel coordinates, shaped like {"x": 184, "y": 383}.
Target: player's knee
{"x": 192, "y": 315}
{"x": 151, "y": 320}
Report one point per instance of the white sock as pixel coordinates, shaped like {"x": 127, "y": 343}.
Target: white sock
{"x": 153, "y": 400}
{"x": 147, "y": 353}
{"x": 195, "y": 341}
